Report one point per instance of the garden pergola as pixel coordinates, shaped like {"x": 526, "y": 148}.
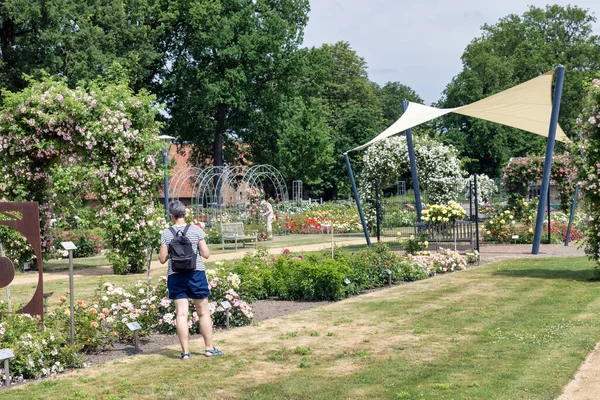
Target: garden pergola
{"x": 527, "y": 106}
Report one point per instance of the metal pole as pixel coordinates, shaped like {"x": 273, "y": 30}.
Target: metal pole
{"x": 470, "y": 200}
{"x": 6, "y": 373}
{"x": 539, "y": 222}
{"x": 166, "y": 183}
{"x": 549, "y": 215}
{"x": 227, "y": 318}
{"x": 360, "y": 210}
{"x": 413, "y": 167}
{"x": 476, "y": 212}
{"x": 377, "y": 211}
{"x": 332, "y": 244}
{"x": 71, "y": 297}
{"x": 136, "y": 341}
{"x": 150, "y": 251}
{"x": 572, "y": 216}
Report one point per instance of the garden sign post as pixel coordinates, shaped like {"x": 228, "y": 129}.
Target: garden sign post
{"x": 539, "y": 222}
{"x": 134, "y": 327}
{"x": 6, "y": 355}
{"x": 227, "y": 307}
{"x": 413, "y": 167}
{"x": 69, "y": 246}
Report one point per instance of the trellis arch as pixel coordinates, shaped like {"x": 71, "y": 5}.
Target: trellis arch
{"x": 62, "y": 144}
{"x": 222, "y": 193}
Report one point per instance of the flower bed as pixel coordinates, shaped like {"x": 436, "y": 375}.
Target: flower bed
{"x": 311, "y": 219}
{"x": 102, "y": 320}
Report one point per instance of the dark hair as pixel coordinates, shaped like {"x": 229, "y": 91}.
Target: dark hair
{"x": 177, "y": 209}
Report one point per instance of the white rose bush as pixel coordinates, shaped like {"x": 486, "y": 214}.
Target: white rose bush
{"x": 440, "y": 171}
{"x": 486, "y": 188}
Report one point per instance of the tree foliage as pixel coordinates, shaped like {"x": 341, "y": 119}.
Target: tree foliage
{"x": 516, "y": 49}
{"x": 305, "y": 147}
{"x": 226, "y": 57}
{"x": 391, "y": 95}
{"x": 80, "y": 40}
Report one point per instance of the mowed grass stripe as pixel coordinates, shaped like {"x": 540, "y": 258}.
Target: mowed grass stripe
{"x": 522, "y": 343}
{"x": 517, "y": 329}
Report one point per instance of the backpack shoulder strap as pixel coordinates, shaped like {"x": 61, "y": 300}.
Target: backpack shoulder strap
{"x": 173, "y": 231}
{"x": 186, "y": 229}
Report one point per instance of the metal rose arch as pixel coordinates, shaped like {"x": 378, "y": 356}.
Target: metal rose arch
{"x": 229, "y": 193}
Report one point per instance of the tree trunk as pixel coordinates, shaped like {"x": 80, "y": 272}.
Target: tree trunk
{"x": 218, "y": 149}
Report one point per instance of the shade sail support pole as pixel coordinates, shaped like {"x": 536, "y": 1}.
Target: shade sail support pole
{"x": 360, "y": 210}
{"x": 539, "y": 222}
{"x": 413, "y": 167}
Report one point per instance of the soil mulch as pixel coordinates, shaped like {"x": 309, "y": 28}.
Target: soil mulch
{"x": 263, "y": 310}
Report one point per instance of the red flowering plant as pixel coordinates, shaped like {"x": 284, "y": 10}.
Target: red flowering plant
{"x": 87, "y": 241}
{"x": 318, "y": 219}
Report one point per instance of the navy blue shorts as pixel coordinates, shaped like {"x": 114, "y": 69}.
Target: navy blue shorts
{"x": 188, "y": 285}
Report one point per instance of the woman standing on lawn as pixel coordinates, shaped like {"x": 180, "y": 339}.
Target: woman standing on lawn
{"x": 191, "y": 284}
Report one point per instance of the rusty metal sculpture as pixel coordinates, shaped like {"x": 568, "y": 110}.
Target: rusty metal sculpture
{"x": 25, "y": 218}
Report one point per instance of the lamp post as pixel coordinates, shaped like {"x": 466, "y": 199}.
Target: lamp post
{"x": 166, "y": 141}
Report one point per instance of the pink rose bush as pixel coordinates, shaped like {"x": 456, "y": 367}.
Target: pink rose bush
{"x": 95, "y": 140}
{"x": 520, "y": 172}
{"x": 589, "y": 170}
{"x": 445, "y": 260}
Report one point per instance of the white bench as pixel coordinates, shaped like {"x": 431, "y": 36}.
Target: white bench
{"x": 234, "y": 232}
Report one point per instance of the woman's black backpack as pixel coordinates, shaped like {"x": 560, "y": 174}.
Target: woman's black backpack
{"x": 181, "y": 251}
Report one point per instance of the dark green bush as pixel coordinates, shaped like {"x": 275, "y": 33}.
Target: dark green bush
{"x": 256, "y": 278}
{"x": 319, "y": 278}
{"x": 370, "y": 268}
{"x": 213, "y": 235}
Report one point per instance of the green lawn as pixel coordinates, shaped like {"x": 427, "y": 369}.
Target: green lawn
{"x": 511, "y": 330}
{"x": 78, "y": 263}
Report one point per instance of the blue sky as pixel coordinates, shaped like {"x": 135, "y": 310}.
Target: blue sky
{"x": 418, "y": 43}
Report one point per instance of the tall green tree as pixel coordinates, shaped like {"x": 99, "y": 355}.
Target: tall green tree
{"x": 305, "y": 146}
{"x": 516, "y": 49}
{"x": 355, "y": 115}
{"x": 230, "y": 63}
{"x": 391, "y": 95}
{"x": 80, "y": 40}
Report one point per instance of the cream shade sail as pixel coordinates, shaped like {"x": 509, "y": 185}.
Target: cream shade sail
{"x": 527, "y": 106}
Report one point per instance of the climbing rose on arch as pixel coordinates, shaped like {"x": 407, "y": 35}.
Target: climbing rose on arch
{"x": 59, "y": 145}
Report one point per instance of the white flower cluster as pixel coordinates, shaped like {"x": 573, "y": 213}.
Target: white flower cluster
{"x": 486, "y": 187}
{"x": 440, "y": 172}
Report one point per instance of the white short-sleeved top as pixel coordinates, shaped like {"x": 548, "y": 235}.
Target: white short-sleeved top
{"x": 195, "y": 234}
